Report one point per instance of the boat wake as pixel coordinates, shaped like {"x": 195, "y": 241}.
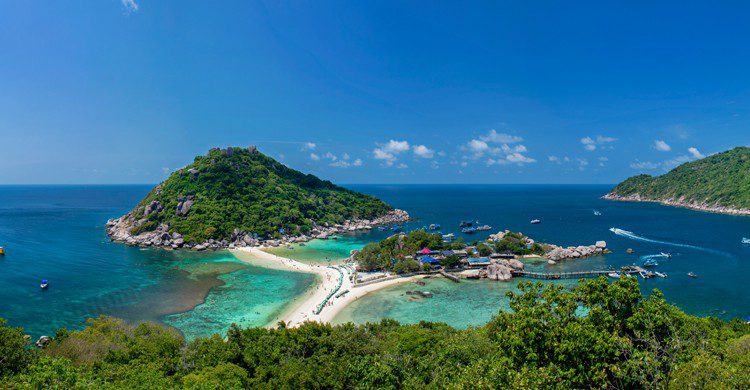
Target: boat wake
{"x": 633, "y": 236}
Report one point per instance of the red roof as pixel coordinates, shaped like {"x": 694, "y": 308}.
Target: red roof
{"x": 426, "y": 251}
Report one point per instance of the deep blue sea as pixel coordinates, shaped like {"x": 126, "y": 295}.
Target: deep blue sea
{"x": 56, "y": 233}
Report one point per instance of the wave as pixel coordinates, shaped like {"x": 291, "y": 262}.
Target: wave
{"x": 633, "y": 236}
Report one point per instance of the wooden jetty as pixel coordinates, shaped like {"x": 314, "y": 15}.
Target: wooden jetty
{"x": 567, "y": 275}
{"x": 450, "y": 277}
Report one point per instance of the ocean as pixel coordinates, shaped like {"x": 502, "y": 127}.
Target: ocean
{"x": 57, "y": 233}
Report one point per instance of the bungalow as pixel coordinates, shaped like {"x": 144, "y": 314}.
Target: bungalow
{"x": 447, "y": 253}
{"x": 429, "y": 260}
{"x": 461, "y": 253}
{"x": 503, "y": 255}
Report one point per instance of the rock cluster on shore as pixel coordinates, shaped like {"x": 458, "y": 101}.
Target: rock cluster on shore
{"x": 558, "y": 253}
{"x": 711, "y": 208}
{"x": 119, "y": 231}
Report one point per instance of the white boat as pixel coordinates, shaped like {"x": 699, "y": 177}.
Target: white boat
{"x": 614, "y": 275}
{"x": 44, "y": 285}
{"x": 660, "y": 274}
{"x": 745, "y": 240}
{"x": 597, "y": 212}
{"x": 535, "y": 221}
{"x": 667, "y": 255}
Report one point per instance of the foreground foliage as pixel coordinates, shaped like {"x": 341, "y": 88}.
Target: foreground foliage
{"x": 247, "y": 190}
{"x": 596, "y": 335}
{"x": 721, "y": 179}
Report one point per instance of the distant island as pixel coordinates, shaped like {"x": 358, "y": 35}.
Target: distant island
{"x": 241, "y": 197}
{"x": 719, "y": 183}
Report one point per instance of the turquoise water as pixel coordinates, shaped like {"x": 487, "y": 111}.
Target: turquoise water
{"x": 57, "y": 233}
{"x": 327, "y": 251}
{"x": 465, "y": 304}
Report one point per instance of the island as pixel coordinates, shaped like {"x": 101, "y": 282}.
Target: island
{"x": 240, "y": 197}
{"x": 719, "y": 183}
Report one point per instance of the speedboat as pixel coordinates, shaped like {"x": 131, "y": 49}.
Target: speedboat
{"x": 469, "y": 230}
{"x": 535, "y": 221}
{"x": 2, "y": 250}
{"x": 650, "y": 263}
{"x": 667, "y": 255}
{"x": 744, "y": 241}
{"x": 435, "y": 226}
{"x": 630, "y": 250}
{"x": 597, "y": 212}
{"x": 692, "y": 275}
{"x": 660, "y": 274}
{"x": 614, "y": 275}
{"x": 484, "y": 227}
{"x": 44, "y": 284}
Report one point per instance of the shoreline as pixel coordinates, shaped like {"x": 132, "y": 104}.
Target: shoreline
{"x": 681, "y": 204}
{"x": 303, "y": 311}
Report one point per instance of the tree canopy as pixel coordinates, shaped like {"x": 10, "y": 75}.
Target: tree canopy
{"x": 596, "y": 335}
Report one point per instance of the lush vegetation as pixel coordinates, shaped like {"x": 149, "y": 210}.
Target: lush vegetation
{"x": 623, "y": 340}
{"x": 721, "y": 179}
{"x": 247, "y": 190}
{"x": 397, "y": 253}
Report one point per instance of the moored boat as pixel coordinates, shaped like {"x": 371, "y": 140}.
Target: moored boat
{"x": 745, "y": 240}
{"x": 464, "y": 224}
{"x": 660, "y": 274}
{"x": 484, "y": 227}
{"x": 2, "y": 250}
{"x": 434, "y": 226}
{"x": 469, "y": 230}
{"x": 614, "y": 275}
{"x": 44, "y": 284}
{"x": 692, "y": 275}
{"x": 535, "y": 221}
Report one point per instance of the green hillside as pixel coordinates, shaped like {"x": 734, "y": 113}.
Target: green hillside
{"x": 721, "y": 179}
{"x": 241, "y": 188}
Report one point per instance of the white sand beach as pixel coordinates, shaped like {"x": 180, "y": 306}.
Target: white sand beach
{"x": 304, "y": 309}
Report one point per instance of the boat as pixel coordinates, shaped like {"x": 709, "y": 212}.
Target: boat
{"x": 650, "y": 263}
{"x": 2, "y": 250}
{"x": 535, "y": 221}
{"x": 745, "y": 240}
{"x": 667, "y": 255}
{"x": 448, "y": 237}
{"x": 597, "y": 212}
{"x": 484, "y": 227}
{"x": 464, "y": 224}
{"x": 692, "y": 275}
{"x": 44, "y": 284}
{"x": 434, "y": 226}
{"x": 630, "y": 250}
{"x": 660, "y": 274}
{"x": 614, "y": 275}
{"x": 469, "y": 230}
{"x": 381, "y": 228}
{"x": 646, "y": 274}
{"x": 396, "y": 228}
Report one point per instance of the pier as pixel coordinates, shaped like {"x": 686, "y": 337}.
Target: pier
{"x": 568, "y": 275}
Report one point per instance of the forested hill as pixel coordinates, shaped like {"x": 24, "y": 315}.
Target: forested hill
{"x": 720, "y": 182}
{"x": 242, "y": 190}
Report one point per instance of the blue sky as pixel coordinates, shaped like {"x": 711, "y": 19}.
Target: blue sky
{"x": 111, "y": 91}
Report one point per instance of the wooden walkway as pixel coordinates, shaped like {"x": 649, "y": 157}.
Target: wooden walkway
{"x": 564, "y": 275}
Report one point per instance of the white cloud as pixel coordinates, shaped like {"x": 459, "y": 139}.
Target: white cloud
{"x": 344, "y": 163}
{"x": 314, "y": 157}
{"x": 402, "y": 166}
{"x": 500, "y": 138}
{"x": 478, "y": 146}
{"x": 553, "y": 159}
{"x": 423, "y": 151}
{"x": 519, "y": 159}
{"x": 130, "y": 5}
{"x": 390, "y": 150}
{"x": 695, "y": 153}
{"x": 644, "y": 165}
{"x": 591, "y": 144}
{"x": 330, "y": 156}
{"x": 309, "y": 146}
{"x": 662, "y": 146}
{"x": 345, "y": 156}
{"x": 357, "y": 163}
